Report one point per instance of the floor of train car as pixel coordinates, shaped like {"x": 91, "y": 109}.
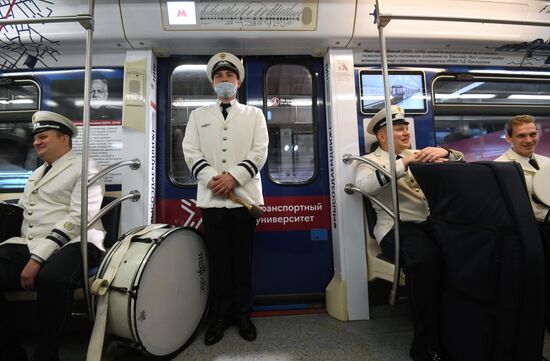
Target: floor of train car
{"x": 314, "y": 336}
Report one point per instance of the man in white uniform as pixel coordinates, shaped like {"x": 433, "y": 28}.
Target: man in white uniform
{"x": 46, "y": 257}
{"x": 420, "y": 255}
{"x": 225, "y": 146}
{"x": 523, "y": 136}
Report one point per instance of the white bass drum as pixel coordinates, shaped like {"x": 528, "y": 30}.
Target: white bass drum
{"x": 159, "y": 294}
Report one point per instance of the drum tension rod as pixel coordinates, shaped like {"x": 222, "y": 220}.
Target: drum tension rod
{"x": 133, "y": 292}
{"x": 119, "y": 289}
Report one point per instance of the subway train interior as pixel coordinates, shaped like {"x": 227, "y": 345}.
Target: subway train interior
{"x": 316, "y": 68}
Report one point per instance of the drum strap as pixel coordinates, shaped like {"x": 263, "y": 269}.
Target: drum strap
{"x": 100, "y": 289}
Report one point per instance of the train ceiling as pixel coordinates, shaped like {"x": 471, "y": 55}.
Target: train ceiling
{"x": 256, "y": 28}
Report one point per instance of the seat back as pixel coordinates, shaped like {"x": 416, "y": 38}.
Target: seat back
{"x": 378, "y": 265}
{"x": 493, "y": 278}
{"x": 111, "y": 222}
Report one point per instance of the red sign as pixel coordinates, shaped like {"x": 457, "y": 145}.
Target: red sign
{"x": 295, "y": 214}
{"x": 281, "y": 213}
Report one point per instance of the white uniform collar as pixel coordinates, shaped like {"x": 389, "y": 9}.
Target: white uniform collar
{"x": 58, "y": 160}
{"x": 512, "y": 153}
{"x": 524, "y": 161}
{"x": 379, "y": 150}
{"x": 219, "y": 102}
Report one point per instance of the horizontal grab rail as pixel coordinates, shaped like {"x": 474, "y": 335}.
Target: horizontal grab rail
{"x": 134, "y": 196}
{"x": 348, "y": 159}
{"x": 84, "y": 19}
{"x": 386, "y": 18}
{"x": 133, "y": 164}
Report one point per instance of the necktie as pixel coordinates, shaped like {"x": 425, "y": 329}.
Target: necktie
{"x": 397, "y": 157}
{"x": 48, "y": 167}
{"x": 534, "y": 163}
{"x": 224, "y": 110}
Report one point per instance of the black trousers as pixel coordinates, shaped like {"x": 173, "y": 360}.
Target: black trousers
{"x": 229, "y": 235}
{"x": 545, "y": 233}
{"x": 55, "y": 283}
{"x": 421, "y": 261}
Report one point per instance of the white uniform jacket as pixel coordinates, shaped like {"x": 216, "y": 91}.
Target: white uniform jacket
{"x": 51, "y": 204}
{"x": 540, "y": 210}
{"x": 413, "y": 206}
{"x": 237, "y": 145}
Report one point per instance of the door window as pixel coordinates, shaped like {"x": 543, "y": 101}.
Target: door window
{"x": 290, "y": 117}
{"x": 189, "y": 90}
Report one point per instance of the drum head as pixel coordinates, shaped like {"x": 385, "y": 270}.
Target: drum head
{"x": 541, "y": 187}
{"x": 172, "y": 294}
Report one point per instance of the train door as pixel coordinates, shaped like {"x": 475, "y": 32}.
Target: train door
{"x": 293, "y": 250}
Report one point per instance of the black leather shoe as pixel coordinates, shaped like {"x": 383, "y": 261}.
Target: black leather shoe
{"x": 214, "y": 333}
{"x": 247, "y": 330}
{"x": 428, "y": 355}
{"x": 13, "y": 353}
{"x": 434, "y": 356}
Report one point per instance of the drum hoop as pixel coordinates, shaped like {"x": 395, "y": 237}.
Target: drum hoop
{"x": 132, "y": 231}
{"x": 177, "y": 228}
{"x": 107, "y": 260}
{"x": 134, "y": 292}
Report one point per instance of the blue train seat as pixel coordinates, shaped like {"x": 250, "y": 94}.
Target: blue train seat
{"x": 378, "y": 265}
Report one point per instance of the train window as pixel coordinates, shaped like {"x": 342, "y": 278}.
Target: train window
{"x": 290, "y": 110}
{"x": 19, "y": 99}
{"x": 481, "y": 137}
{"x": 407, "y": 89}
{"x": 470, "y": 112}
{"x": 18, "y": 95}
{"x": 502, "y": 91}
{"x": 189, "y": 90}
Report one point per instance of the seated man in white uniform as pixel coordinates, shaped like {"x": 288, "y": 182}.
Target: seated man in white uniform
{"x": 523, "y": 136}
{"x": 420, "y": 255}
{"x": 46, "y": 256}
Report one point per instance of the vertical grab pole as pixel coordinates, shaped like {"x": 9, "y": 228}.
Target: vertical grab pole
{"x": 85, "y": 142}
{"x": 381, "y": 23}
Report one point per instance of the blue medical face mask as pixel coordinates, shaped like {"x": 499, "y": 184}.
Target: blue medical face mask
{"x": 225, "y": 90}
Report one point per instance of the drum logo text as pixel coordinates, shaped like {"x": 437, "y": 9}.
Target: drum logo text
{"x": 202, "y": 273}
{"x": 142, "y": 316}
